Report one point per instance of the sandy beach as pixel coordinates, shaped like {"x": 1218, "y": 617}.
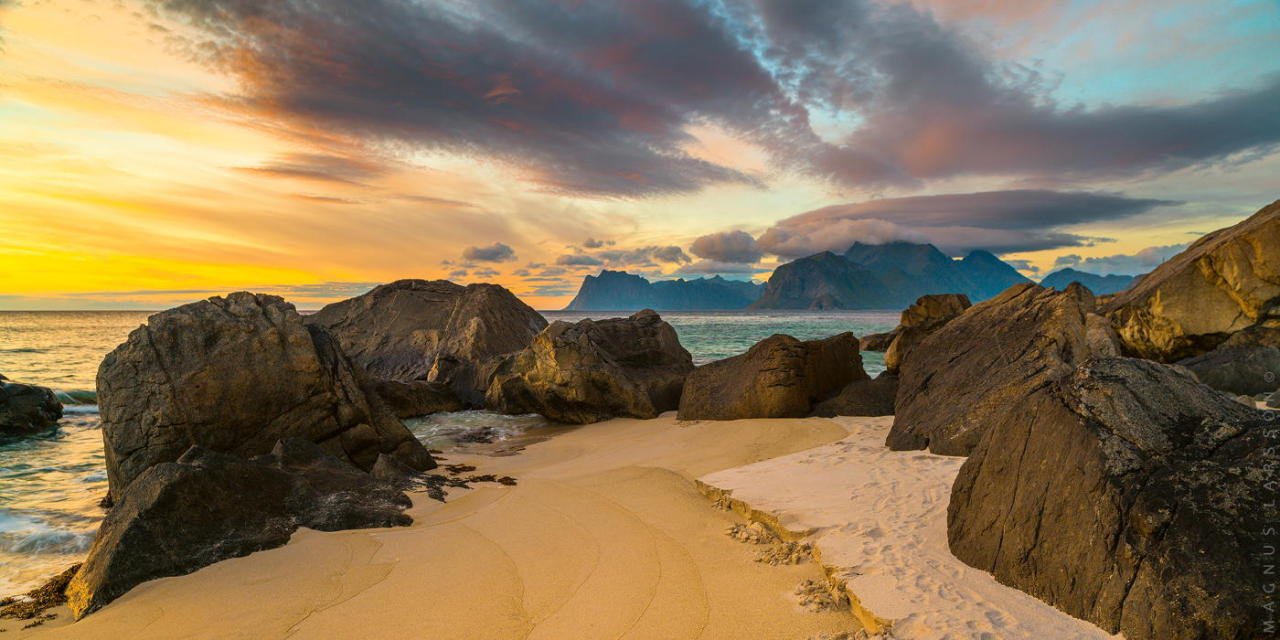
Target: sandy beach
{"x": 605, "y": 536}
{"x": 879, "y": 522}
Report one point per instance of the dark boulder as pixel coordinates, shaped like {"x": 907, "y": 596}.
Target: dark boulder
{"x": 180, "y": 516}
{"x": 235, "y": 375}
{"x": 594, "y": 370}
{"x": 1126, "y": 494}
{"x": 1248, "y": 363}
{"x": 778, "y": 377}
{"x": 1225, "y": 282}
{"x": 416, "y": 397}
{"x": 436, "y": 331}
{"x": 26, "y": 409}
{"x": 983, "y": 363}
{"x": 864, "y": 397}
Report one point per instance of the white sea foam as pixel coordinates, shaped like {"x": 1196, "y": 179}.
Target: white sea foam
{"x": 448, "y": 429}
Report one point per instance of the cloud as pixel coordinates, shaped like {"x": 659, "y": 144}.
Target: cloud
{"x": 794, "y": 238}
{"x": 727, "y": 246}
{"x": 644, "y": 256}
{"x": 1024, "y": 266}
{"x": 578, "y": 260}
{"x": 319, "y": 167}
{"x": 672, "y": 254}
{"x": 929, "y": 103}
{"x": 998, "y": 221}
{"x": 593, "y": 100}
{"x": 599, "y": 99}
{"x": 592, "y": 243}
{"x": 497, "y": 252}
{"x": 1138, "y": 263}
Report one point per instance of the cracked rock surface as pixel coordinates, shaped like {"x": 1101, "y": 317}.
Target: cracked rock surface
{"x": 985, "y": 361}
{"x": 594, "y": 370}
{"x": 778, "y": 377}
{"x": 235, "y": 375}
{"x": 1126, "y": 494}
{"x": 411, "y": 331}
{"x": 1225, "y": 282}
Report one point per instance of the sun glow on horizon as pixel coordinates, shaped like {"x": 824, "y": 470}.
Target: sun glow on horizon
{"x": 137, "y": 170}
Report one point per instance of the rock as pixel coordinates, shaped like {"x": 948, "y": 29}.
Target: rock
{"x": 1273, "y": 400}
{"x": 177, "y": 517}
{"x": 877, "y": 341}
{"x": 865, "y": 397}
{"x": 416, "y": 397}
{"x": 1248, "y": 363}
{"x": 1223, "y": 283}
{"x": 986, "y": 361}
{"x": 594, "y": 370}
{"x": 926, "y": 315}
{"x": 26, "y": 409}
{"x": 778, "y": 377}
{"x": 235, "y": 375}
{"x": 436, "y": 331}
{"x": 1126, "y": 494}
{"x": 933, "y": 311}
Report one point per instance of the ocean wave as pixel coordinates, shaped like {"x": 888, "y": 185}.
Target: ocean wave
{"x": 27, "y": 535}
{"x": 460, "y": 427}
{"x": 77, "y": 397}
{"x": 79, "y": 409}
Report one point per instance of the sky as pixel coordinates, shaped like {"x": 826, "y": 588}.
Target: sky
{"x": 156, "y": 152}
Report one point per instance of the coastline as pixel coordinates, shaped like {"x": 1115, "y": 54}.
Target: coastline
{"x": 605, "y": 535}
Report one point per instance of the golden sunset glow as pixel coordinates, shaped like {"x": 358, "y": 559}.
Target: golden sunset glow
{"x": 135, "y": 170}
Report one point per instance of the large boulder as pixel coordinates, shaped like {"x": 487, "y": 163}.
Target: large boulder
{"x": 436, "y": 331}
{"x": 1129, "y": 495}
{"x": 1248, "y": 363}
{"x": 1225, "y": 282}
{"x": 985, "y": 361}
{"x": 26, "y": 409}
{"x": 180, "y": 516}
{"x": 919, "y": 320}
{"x": 594, "y": 370}
{"x": 778, "y": 377}
{"x": 863, "y": 397}
{"x": 235, "y": 375}
{"x": 416, "y": 397}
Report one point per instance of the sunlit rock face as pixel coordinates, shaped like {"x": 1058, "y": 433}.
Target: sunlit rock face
{"x": 1224, "y": 283}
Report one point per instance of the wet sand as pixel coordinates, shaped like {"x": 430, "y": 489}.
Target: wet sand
{"x": 605, "y": 536}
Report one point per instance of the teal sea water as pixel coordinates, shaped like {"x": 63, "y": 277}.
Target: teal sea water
{"x": 50, "y": 485}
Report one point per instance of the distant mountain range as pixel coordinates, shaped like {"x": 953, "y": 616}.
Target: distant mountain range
{"x": 883, "y": 276}
{"x": 622, "y": 291}
{"x": 867, "y": 276}
{"x": 1099, "y": 285}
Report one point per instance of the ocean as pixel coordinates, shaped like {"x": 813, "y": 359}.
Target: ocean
{"x": 50, "y": 485}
